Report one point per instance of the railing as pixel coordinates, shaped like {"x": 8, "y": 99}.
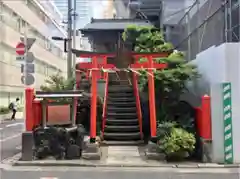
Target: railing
{"x": 138, "y": 103}
{"x": 105, "y": 103}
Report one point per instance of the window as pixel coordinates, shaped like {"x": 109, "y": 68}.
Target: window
{"x": 17, "y": 23}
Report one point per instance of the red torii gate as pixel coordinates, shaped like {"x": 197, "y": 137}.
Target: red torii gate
{"x": 150, "y": 65}
{"x": 95, "y": 67}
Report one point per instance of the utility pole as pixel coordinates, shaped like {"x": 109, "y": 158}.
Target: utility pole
{"x": 161, "y": 16}
{"x": 74, "y": 32}
{"x": 69, "y": 55}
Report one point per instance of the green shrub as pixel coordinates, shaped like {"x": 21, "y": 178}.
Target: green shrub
{"x": 4, "y": 110}
{"x": 177, "y": 143}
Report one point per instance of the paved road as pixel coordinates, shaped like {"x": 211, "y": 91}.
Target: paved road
{"x": 117, "y": 173}
{"x": 10, "y": 137}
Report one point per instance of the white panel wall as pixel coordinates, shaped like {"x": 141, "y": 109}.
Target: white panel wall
{"x": 217, "y": 65}
{"x": 233, "y": 76}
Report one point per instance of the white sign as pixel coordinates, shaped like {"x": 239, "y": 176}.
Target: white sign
{"x": 20, "y": 58}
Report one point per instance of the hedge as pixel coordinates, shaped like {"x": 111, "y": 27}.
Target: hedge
{"x": 6, "y": 110}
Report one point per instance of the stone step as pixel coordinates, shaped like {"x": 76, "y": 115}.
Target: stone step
{"x": 122, "y": 136}
{"x": 121, "y": 115}
{"x": 121, "y": 104}
{"x": 123, "y": 143}
{"x": 121, "y": 109}
{"x": 123, "y": 99}
{"x": 120, "y": 94}
{"x": 112, "y": 128}
{"x": 122, "y": 87}
{"x": 120, "y": 90}
{"x": 122, "y": 122}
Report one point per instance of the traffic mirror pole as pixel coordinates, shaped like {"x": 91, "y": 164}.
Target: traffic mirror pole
{"x": 69, "y": 53}
{"x": 25, "y": 75}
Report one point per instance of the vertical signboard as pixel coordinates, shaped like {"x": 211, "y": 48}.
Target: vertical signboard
{"x": 28, "y": 57}
{"x": 227, "y": 121}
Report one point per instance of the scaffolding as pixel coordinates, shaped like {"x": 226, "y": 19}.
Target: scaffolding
{"x": 207, "y": 23}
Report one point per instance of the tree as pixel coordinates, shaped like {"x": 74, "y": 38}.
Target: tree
{"x": 58, "y": 83}
{"x": 170, "y": 82}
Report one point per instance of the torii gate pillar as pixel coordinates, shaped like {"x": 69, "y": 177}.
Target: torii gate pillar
{"x": 150, "y": 65}
{"x": 94, "y": 66}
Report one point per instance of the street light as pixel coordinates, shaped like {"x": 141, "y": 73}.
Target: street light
{"x": 58, "y": 38}
{"x": 61, "y": 39}
{"x": 66, "y": 46}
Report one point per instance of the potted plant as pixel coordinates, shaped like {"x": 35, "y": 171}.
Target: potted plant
{"x": 178, "y": 144}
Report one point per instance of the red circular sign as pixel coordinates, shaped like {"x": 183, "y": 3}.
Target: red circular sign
{"x": 20, "y": 48}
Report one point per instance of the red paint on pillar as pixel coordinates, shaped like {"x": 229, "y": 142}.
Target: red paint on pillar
{"x": 78, "y": 79}
{"x": 206, "y": 123}
{"x": 199, "y": 120}
{"x": 37, "y": 112}
{"x": 152, "y": 107}
{"x": 93, "y": 122}
{"x": 29, "y": 96}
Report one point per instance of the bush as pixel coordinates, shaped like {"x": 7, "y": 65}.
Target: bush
{"x": 4, "y": 110}
{"x": 178, "y": 144}
{"x": 57, "y": 83}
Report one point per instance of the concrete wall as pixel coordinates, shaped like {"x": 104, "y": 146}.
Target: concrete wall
{"x": 219, "y": 64}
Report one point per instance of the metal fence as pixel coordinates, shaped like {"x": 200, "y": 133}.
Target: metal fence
{"x": 208, "y": 23}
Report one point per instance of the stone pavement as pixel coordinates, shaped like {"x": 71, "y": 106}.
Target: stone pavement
{"x": 113, "y": 156}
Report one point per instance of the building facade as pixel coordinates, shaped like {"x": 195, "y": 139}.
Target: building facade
{"x": 209, "y": 23}
{"x": 109, "y": 11}
{"x": 27, "y": 17}
{"x": 84, "y": 11}
{"x": 191, "y": 25}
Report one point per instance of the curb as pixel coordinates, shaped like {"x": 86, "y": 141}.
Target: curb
{"x": 55, "y": 164}
{"x": 74, "y": 164}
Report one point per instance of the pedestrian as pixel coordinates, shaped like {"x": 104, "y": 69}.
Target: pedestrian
{"x": 13, "y": 106}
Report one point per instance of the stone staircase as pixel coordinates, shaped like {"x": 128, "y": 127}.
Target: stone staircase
{"x": 122, "y": 122}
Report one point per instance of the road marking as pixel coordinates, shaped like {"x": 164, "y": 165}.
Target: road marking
{"x": 15, "y": 124}
{"x": 12, "y": 159}
{"x": 48, "y": 178}
{"x": 11, "y": 137}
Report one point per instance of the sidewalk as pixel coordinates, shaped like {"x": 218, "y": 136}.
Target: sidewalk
{"x": 3, "y": 117}
{"x": 108, "y": 160}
